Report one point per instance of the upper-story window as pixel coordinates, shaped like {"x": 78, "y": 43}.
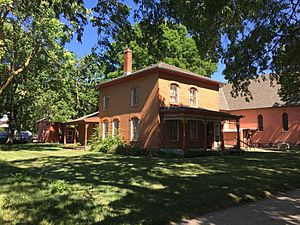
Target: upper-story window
{"x": 174, "y": 93}
{"x": 105, "y": 129}
{"x": 115, "y": 127}
{"x": 105, "y": 102}
{"x": 285, "y": 122}
{"x": 134, "y": 96}
{"x": 193, "y": 97}
{"x": 134, "y": 129}
{"x": 260, "y": 121}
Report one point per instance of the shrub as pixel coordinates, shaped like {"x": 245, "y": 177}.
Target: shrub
{"x": 132, "y": 150}
{"x": 113, "y": 145}
{"x": 110, "y": 144}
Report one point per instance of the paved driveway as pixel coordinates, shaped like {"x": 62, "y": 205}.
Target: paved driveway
{"x": 281, "y": 209}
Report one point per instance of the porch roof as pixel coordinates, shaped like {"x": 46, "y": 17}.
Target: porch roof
{"x": 199, "y": 112}
{"x": 91, "y": 118}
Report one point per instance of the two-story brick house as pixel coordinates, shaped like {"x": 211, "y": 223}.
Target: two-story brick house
{"x": 162, "y": 106}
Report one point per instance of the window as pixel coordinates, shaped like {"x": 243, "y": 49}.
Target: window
{"x": 174, "y": 132}
{"x": 134, "y": 96}
{"x": 260, "y": 121}
{"x": 193, "y": 97}
{"x": 174, "y": 93}
{"x": 193, "y": 130}
{"x": 105, "y": 102}
{"x": 115, "y": 128}
{"x": 105, "y": 129}
{"x": 134, "y": 129}
{"x": 285, "y": 122}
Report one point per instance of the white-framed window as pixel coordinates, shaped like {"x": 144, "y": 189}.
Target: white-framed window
{"x": 134, "y": 96}
{"x": 174, "y": 94}
{"x": 105, "y": 129}
{"x": 134, "y": 129}
{"x": 193, "y": 97}
{"x": 115, "y": 127}
{"x": 193, "y": 130}
{"x": 174, "y": 130}
{"x": 105, "y": 102}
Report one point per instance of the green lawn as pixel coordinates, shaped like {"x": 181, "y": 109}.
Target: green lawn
{"x": 44, "y": 184}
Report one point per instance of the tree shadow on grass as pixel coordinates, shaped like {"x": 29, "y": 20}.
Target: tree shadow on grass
{"x": 31, "y": 147}
{"x": 105, "y": 189}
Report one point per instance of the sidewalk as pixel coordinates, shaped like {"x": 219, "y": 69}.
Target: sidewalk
{"x": 277, "y": 210}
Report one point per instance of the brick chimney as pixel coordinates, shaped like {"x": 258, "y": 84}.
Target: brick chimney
{"x": 127, "y": 61}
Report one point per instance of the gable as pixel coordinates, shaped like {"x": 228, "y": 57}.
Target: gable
{"x": 265, "y": 95}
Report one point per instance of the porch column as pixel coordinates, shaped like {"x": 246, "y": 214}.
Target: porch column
{"x": 184, "y": 133}
{"x": 85, "y": 134}
{"x": 222, "y": 136}
{"x": 75, "y": 134}
{"x": 205, "y": 134}
{"x": 238, "y": 134}
{"x": 99, "y": 130}
{"x": 65, "y": 134}
{"x": 161, "y": 131}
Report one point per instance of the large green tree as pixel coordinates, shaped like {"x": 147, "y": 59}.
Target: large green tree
{"x": 62, "y": 90}
{"x": 172, "y": 46}
{"x": 250, "y": 37}
{"x": 29, "y": 29}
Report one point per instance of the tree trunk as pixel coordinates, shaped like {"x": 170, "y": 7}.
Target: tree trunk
{"x": 11, "y": 133}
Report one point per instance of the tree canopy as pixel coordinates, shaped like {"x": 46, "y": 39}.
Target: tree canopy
{"x": 250, "y": 37}
{"x": 30, "y": 29}
{"x": 37, "y": 74}
{"x": 172, "y": 46}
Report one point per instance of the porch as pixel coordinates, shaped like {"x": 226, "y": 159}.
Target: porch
{"x": 194, "y": 128}
{"x": 80, "y": 130}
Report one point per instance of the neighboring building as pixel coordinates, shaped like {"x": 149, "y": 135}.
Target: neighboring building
{"x": 162, "y": 106}
{"x": 71, "y": 132}
{"x": 81, "y": 130}
{"x": 267, "y": 119}
{"x": 3, "y": 123}
{"x": 48, "y": 131}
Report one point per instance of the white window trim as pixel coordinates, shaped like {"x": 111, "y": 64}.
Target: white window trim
{"x": 196, "y": 105}
{"x": 178, "y": 96}
{"x": 103, "y": 129}
{"x": 131, "y": 130}
{"x": 113, "y": 127}
{"x": 177, "y": 121}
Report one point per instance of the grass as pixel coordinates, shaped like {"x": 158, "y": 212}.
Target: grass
{"x": 45, "y": 184}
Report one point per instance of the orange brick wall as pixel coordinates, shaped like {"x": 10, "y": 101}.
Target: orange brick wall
{"x": 272, "y": 121}
{"x": 208, "y": 95}
{"x": 120, "y": 108}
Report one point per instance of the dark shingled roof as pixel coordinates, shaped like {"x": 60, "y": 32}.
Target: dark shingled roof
{"x": 264, "y": 96}
{"x": 163, "y": 67}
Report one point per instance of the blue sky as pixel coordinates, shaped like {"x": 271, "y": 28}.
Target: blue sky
{"x": 89, "y": 40}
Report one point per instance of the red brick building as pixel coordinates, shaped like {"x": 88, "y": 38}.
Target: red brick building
{"x": 267, "y": 119}
{"x": 162, "y": 107}
{"x": 49, "y": 132}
